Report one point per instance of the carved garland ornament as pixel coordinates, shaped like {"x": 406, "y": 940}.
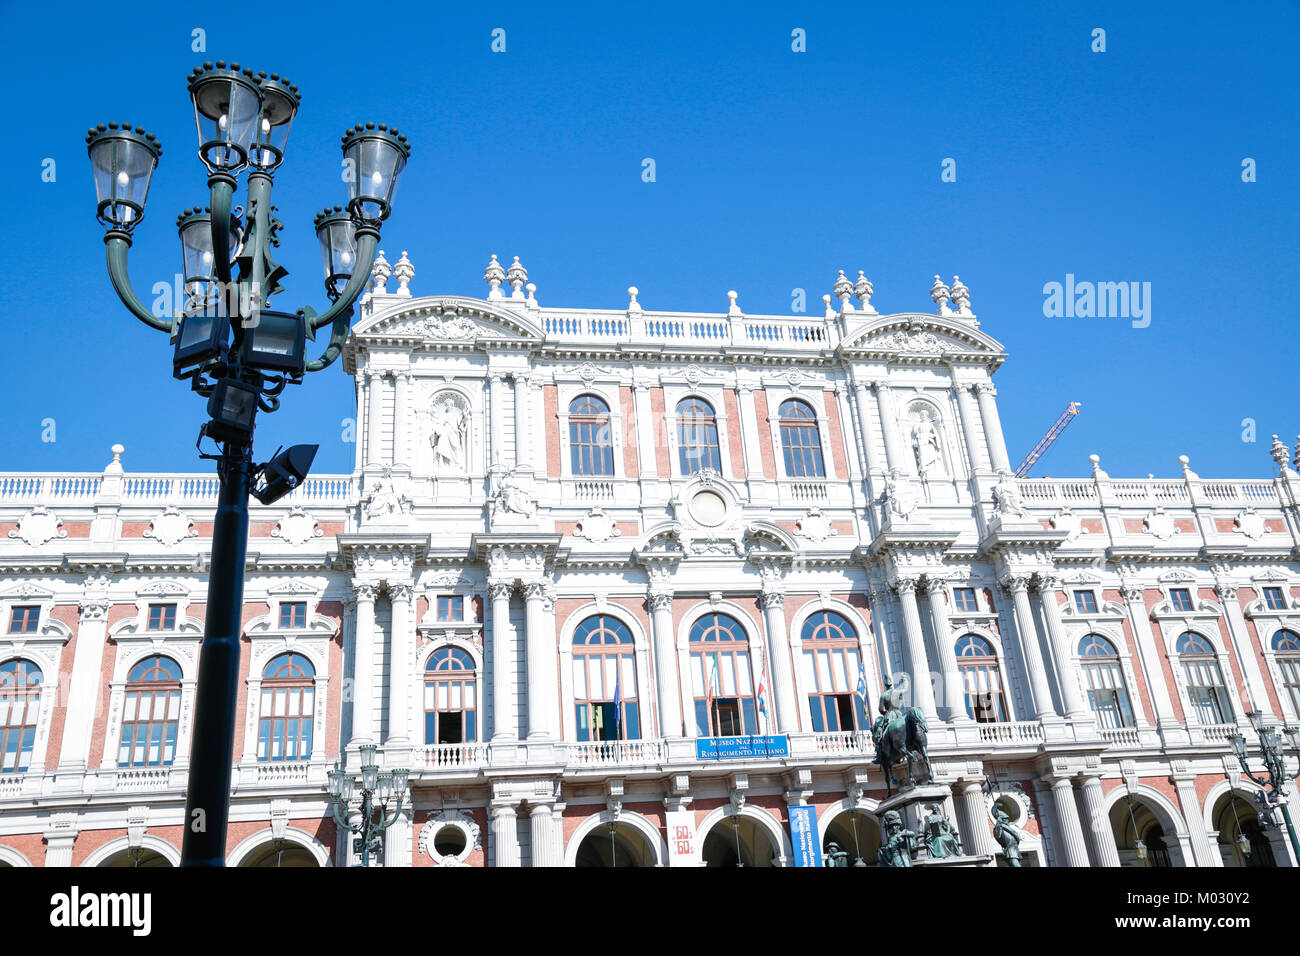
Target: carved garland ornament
{"x": 457, "y": 819}
{"x": 926, "y": 343}
{"x": 171, "y": 527}
{"x": 38, "y": 526}
{"x": 297, "y": 527}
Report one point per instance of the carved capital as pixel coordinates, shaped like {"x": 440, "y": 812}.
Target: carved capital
{"x": 1015, "y": 583}
{"x": 94, "y": 609}
{"x": 536, "y": 591}
{"x": 660, "y": 600}
{"x": 1225, "y": 591}
{"x": 1047, "y": 583}
{"x": 400, "y": 592}
{"x": 906, "y": 583}
{"x": 772, "y": 597}
{"x": 365, "y": 591}
{"x": 1131, "y": 593}
{"x": 984, "y": 388}
{"x": 500, "y": 589}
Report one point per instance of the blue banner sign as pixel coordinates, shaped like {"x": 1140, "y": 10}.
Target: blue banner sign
{"x": 803, "y": 836}
{"x": 732, "y": 748}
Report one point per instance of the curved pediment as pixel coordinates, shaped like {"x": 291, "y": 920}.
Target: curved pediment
{"x": 916, "y": 335}
{"x": 447, "y": 321}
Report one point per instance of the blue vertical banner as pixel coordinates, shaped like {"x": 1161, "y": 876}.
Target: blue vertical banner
{"x": 807, "y": 848}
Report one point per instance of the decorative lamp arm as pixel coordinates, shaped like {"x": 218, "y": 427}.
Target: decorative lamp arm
{"x": 341, "y": 818}
{"x": 1245, "y": 768}
{"x": 222, "y": 186}
{"x": 367, "y": 247}
{"x": 389, "y": 821}
{"x": 117, "y": 244}
{"x": 338, "y": 335}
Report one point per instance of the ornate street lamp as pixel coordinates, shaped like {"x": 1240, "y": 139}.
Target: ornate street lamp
{"x": 1274, "y": 756}
{"x": 384, "y": 785}
{"x": 235, "y": 351}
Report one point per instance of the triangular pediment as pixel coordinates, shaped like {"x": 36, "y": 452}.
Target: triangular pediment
{"x": 928, "y": 336}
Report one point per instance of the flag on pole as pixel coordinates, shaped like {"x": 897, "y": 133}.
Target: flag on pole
{"x": 762, "y": 697}
{"x": 618, "y": 698}
{"x": 710, "y": 690}
{"x": 862, "y": 684}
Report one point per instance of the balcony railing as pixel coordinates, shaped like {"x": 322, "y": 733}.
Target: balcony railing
{"x": 448, "y": 756}
{"x": 142, "y": 779}
{"x": 852, "y": 743}
{"x": 1013, "y": 732}
{"x": 139, "y": 489}
{"x": 1122, "y": 736}
{"x": 606, "y": 753}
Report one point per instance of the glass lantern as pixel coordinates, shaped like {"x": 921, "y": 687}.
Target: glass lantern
{"x": 280, "y": 100}
{"x": 227, "y": 105}
{"x": 123, "y": 160}
{"x": 375, "y": 157}
{"x": 337, "y": 232}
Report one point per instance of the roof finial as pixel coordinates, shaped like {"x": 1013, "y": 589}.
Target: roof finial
{"x": 1187, "y": 471}
{"x": 961, "y": 297}
{"x": 863, "y": 289}
{"x": 404, "y": 272}
{"x": 732, "y": 308}
{"x": 633, "y": 305}
{"x": 531, "y": 301}
{"x": 830, "y": 309}
{"x": 941, "y": 294}
{"x": 1279, "y": 453}
{"x": 843, "y": 290}
{"x": 380, "y": 273}
{"x": 115, "y": 466}
{"x": 494, "y": 275}
{"x": 516, "y": 275}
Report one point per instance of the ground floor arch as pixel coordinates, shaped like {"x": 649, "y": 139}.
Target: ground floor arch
{"x": 295, "y": 848}
{"x": 854, "y": 831}
{"x": 748, "y": 838}
{"x": 151, "y": 851}
{"x": 1245, "y": 838}
{"x": 636, "y": 841}
{"x": 1147, "y": 833}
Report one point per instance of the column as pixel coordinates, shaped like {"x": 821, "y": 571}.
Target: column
{"x": 400, "y": 687}
{"x": 1067, "y": 672}
{"x": 537, "y": 449}
{"x": 503, "y": 665}
{"x": 374, "y": 417}
{"x": 505, "y": 835}
{"x": 522, "y": 435}
{"x": 542, "y": 676}
{"x": 976, "y": 832}
{"x": 749, "y": 433}
{"x": 669, "y": 692}
{"x": 83, "y": 689}
{"x": 645, "y": 431}
{"x": 401, "y": 414}
{"x": 363, "y": 667}
{"x": 496, "y": 425}
{"x": 992, "y": 427}
{"x": 1031, "y": 654}
{"x": 970, "y": 427}
{"x": 1189, "y": 804}
{"x": 1148, "y": 654}
{"x": 1240, "y": 638}
{"x": 543, "y": 846}
{"x": 60, "y": 836}
{"x": 889, "y": 427}
{"x": 398, "y": 839}
{"x": 1101, "y": 839}
{"x": 778, "y": 648}
{"x": 869, "y": 450}
{"x": 1070, "y": 836}
{"x": 954, "y": 698}
{"x": 922, "y": 690}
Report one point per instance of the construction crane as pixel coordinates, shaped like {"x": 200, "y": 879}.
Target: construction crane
{"x": 1045, "y": 442}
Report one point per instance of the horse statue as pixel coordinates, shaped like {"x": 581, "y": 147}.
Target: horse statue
{"x": 899, "y": 735}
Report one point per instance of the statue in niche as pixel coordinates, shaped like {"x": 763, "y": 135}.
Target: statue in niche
{"x": 383, "y": 499}
{"x": 1008, "y": 835}
{"x": 449, "y": 435}
{"x": 926, "y": 448}
{"x": 513, "y": 493}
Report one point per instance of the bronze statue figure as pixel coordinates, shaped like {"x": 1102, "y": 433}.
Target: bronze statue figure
{"x": 899, "y": 736}
{"x": 899, "y": 843}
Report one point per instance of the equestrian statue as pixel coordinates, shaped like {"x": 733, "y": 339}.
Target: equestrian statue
{"x": 899, "y": 735}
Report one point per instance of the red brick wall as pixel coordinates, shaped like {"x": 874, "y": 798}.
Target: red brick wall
{"x": 766, "y": 454}
{"x": 837, "y": 434}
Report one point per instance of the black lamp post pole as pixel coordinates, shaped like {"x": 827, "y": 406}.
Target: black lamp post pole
{"x": 207, "y": 799}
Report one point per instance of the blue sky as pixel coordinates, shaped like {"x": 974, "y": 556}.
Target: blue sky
{"x": 774, "y": 169}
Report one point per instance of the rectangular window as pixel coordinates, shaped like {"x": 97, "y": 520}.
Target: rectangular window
{"x": 1181, "y": 598}
{"x": 964, "y": 599}
{"x": 162, "y": 617}
{"x": 1085, "y": 602}
{"x": 1274, "y": 599}
{"x": 451, "y": 608}
{"x": 23, "y": 619}
{"x": 293, "y": 615}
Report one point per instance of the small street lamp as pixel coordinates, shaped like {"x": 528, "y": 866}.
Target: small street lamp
{"x": 233, "y": 350}
{"x": 1274, "y": 756}
{"x": 374, "y": 783}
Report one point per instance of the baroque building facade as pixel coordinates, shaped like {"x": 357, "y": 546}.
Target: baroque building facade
{"x": 624, "y": 587}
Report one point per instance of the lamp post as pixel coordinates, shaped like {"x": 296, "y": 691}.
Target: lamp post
{"x": 1274, "y": 756}
{"x": 374, "y": 784}
{"x": 233, "y": 350}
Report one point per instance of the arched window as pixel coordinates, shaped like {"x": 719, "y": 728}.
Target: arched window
{"x": 1287, "y": 646}
{"x": 20, "y": 703}
{"x": 450, "y": 697}
{"x": 721, "y": 678}
{"x": 697, "y": 436}
{"x": 604, "y": 680}
{"x": 1205, "y": 687}
{"x": 591, "y": 444}
{"x": 801, "y": 440}
{"x": 1107, "y": 694}
{"x": 151, "y": 714}
{"x": 832, "y": 670}
{"x": 288, "y": 698}
{"x": 979, "y": 672}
